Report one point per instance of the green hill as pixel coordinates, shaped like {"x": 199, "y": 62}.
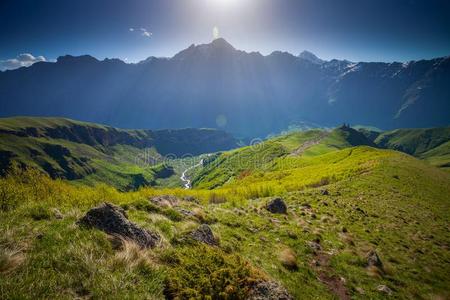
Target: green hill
{"x": 343, "y": 203}
{"x": 262, "y": 157}
{"x": 430, "y": 144}
{"x": 93, "y": 153}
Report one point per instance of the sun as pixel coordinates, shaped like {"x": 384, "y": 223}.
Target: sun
{"x": 224, "y": 3}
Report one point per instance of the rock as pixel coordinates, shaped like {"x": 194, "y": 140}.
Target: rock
{"x": 165, "y": 200}
{"x": 269, "y": 290}
{"x": 384, "y": 289}
{"x": 292, "y": 235}
{"x": 186, "y": 212}
{"x": 373, "y": 260}
{"x": 57, "y": 213}
{"x": 275, "y": 221}
{"x": 360, "y": 290}
{"x": 191, "y": 199}
{"x": 324, "y": 192}
{"x": 113, "y": 220}
{"x": 205, "y": 235}
{"x": 359, "y": 209}
{"x": 277, "y": 206}
{"x": 315, "y": 246}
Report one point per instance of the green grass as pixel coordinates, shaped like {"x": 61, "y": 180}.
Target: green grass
{"x": 403, "y": 214}
{"x": 378, "y": 199}
{"x": 430, "y": 144}
{"x": 91, "y": 153}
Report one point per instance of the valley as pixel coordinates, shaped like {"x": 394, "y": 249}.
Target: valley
{"x": 309, "y": 214}
{"x": 225, "y": 149}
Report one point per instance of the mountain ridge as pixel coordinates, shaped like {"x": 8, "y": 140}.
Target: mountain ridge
{"x": 257, "y": 95}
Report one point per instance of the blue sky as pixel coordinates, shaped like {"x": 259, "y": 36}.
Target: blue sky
{"x": 358, "y": 30}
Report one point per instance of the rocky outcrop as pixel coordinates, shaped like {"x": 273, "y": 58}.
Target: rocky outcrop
{"x": 277, "y": 206}
{"x": 205, "y": 235}
{"x": 113, "y": 220}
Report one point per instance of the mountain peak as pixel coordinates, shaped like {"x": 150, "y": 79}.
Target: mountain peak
{"x": 217, "y": 46}
{"x": 221, "y": 43}
{"x": 307, "y": 55}
{"x": 76, "y": 59}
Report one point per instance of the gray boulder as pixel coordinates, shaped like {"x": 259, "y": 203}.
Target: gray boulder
{"x": 205, "y": 235}
{"x": 277, "y": 206}
{"x": 113, "y": 220}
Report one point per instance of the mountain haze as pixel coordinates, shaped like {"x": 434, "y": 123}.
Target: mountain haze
{"x": 216, "y": 85}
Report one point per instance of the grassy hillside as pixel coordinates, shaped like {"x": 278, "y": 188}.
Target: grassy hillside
{"x": 376, "y": 200}
{"x": 430, "y": 144}
{"x": 257, "y": 159}
{"x": 92, "y": 153}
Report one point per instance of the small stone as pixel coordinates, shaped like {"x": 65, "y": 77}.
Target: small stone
{"x": 384, "y": 289}
{"x": 373, "y": 260}
{"x": 186, "y": 212}
{"x": 191, "y": 199}
{"x": 165, "y": 200}
{"x": 360, "y": 290}
{"x": 324, "y": 192}
{"x": 292, "y": 235}
{"x": 57, "y": 213}
{"x": 315, "y": 246}
{"x": 268, "y": 290}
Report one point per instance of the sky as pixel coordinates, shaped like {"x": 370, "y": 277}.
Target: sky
{"x": 132, "y": 30}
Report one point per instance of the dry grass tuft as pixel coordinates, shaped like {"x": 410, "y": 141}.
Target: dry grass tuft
{"x": 132, "y": 256}
{"x": 10, "y": 260}
{"x": 288, "y": 259}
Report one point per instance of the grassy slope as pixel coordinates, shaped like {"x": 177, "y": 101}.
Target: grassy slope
{"x": 260, "y": 158}
{"x": 90, "y": 153}
{"x": 384, "y": 199}
{"x": 431, "y": 144}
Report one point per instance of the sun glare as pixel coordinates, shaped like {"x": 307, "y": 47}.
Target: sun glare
{"x": 224, "y": 3}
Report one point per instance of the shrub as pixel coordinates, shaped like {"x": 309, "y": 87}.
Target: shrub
{"x": 288, "y": 259}
{"x": 202, "y": 272}
{"x": 39, "y": 212}
{"x": 217, "y": 199}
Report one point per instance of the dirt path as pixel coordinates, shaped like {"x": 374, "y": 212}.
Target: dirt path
{"x": 308, "y": 144}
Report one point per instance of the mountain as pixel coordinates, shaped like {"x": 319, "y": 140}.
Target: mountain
{"x": 93, "y": 153}
{"x": 216, "y": 85}
{"x": 311, "y": 57}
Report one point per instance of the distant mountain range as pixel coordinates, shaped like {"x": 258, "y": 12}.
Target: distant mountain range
{"x": 216, "y": 85}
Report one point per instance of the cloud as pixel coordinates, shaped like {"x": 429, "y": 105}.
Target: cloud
{"x": 144, "y": 32}
{"x": 22, "y": 60}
